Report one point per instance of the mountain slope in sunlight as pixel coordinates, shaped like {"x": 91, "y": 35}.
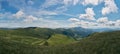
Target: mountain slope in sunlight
{"x": 59, "y": 39}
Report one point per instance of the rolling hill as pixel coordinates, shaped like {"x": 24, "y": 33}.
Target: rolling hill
{"x": 97, "y": 43}
{"x": 34, "y": 36}
{"x": 57, "y": 43}
{"x": 59, "y": 39}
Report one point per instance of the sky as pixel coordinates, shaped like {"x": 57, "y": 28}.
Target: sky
{"x": 60, "y": 13}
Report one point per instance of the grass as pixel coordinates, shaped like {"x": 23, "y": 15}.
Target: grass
{"x": 59, "y": 39}
{"x": 97, "y": 43}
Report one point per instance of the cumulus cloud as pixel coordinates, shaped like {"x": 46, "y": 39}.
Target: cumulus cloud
{"x": 89, "y": 14}
{"x": 102, "y": 20}
{"x": 110, "y": 7}
{"x": 74, "y": 20}
{"x": 25, "y": 17}
{"x": 19, "y": 14}
{"x": 87, "y": 19}
{"x": 84, "y": 24}
{"x": 117, "y": 22}
{"x": 105, "y": 22}
{"x": 111, "y": 23}
{"x": 30, "y": 18}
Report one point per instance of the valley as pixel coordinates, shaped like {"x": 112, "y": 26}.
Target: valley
{"x": 56, "y": 41}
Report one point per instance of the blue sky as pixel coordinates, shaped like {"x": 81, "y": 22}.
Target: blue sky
{"x": 60, "y": 13}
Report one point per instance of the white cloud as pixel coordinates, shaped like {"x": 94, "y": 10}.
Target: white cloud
{"x": 51, "y": 23}
{"x": 110, "y": 7}
{"x": 31, "y": 14}
{"x": 117, "y": 22}
{"x": 105, "y": 22}
{"x": 84, "y": 24}
{"x": 74, "y": 20}
{"x": 26, "y": 17}
{"x": 89, "y": 14}
{"x": 90, "y": 11}
{"x": 19, "y": 14}
{"x": 111, "y": 23}
{"x": 92, "y": 2}
{"x": 102, "y": 20}
{"x": 30, "y": 18}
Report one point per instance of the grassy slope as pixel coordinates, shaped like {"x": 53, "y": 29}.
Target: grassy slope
{"x": 59, "y": 39}
{"x": 24, "y": 42}
{"x": 98, "y": 43}
{"x": 11, "y": 35}
{"x": 36, "y": 36}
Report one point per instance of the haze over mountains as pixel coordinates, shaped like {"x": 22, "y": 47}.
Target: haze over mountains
{"x": 79, "y": 30}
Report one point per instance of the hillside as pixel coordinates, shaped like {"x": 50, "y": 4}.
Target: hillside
{"x": 97, "y": 43}
{"x": 34, "y": 36}
{"x": 76, "y": 32}
{"x": 26, "y": 40}
{"x": 59, "y": 39}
